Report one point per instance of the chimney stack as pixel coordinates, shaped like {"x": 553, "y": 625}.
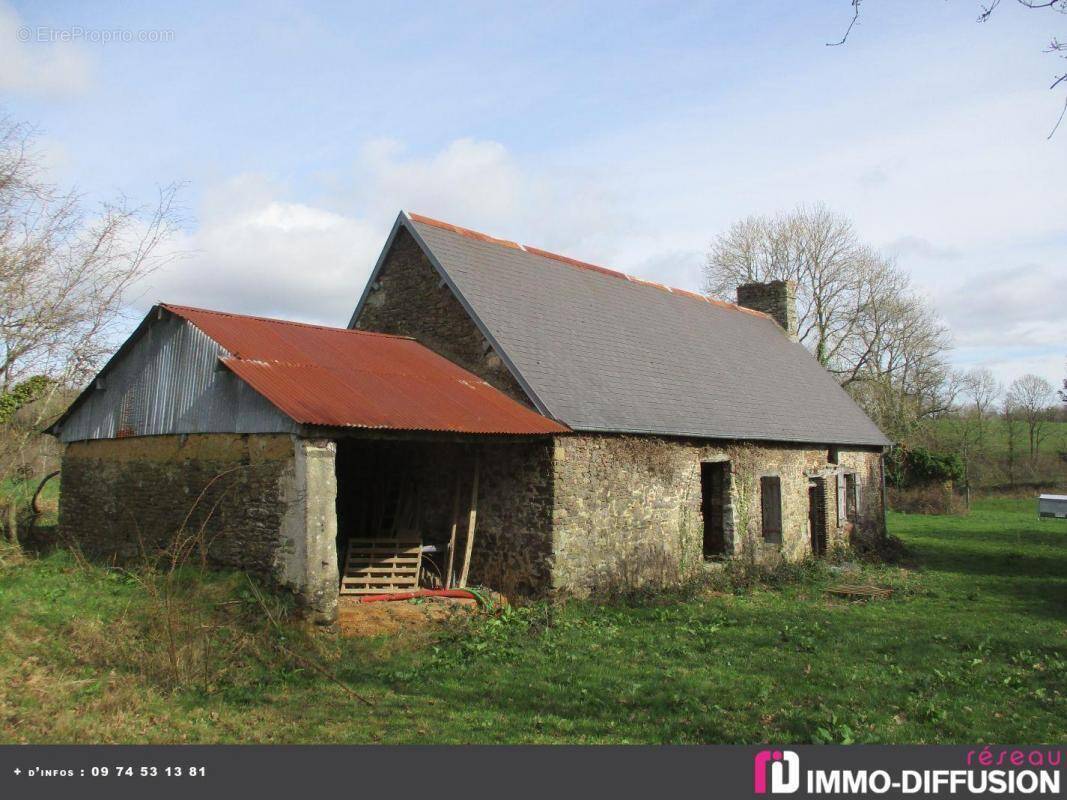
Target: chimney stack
{"x": 776, "y": 299}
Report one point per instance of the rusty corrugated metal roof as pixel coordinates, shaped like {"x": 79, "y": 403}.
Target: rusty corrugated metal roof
{"x": 343, "y": 378}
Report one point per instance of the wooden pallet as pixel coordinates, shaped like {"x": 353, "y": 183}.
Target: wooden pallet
{"x": 854, "y": 592}
{"x": 381, "y": 566}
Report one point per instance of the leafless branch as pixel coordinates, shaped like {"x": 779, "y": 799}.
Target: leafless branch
{"x": 848, "y": 30}
{"x": 67, "y": 271}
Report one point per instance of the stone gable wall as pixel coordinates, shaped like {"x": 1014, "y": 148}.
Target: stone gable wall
{"x": 627, "y": 509}
{"x": 409, "y": 298}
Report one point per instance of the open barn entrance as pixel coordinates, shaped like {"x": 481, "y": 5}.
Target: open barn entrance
{"x": 404, "y": 509}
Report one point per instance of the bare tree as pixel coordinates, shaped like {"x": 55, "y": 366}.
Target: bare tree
{"x": 982, "y": 390}
{"x": 1031, "y": 399}
{"x": 857, "y": 312}
{"x": 1013, "y": 429}
{"x": 1055, "y": 46}
{"x": 66, "y": 272}
{"x": 968, "y": 424}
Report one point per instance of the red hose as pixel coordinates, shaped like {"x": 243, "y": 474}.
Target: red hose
{"x": 385, "y": 598}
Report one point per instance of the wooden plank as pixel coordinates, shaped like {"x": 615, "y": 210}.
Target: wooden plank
{"x": 452, "y": 535}
{"x": 472, "y": 518}
{"x": 850, "y": 590}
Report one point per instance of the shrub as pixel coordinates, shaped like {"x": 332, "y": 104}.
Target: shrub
{"x": 910, "y": 467}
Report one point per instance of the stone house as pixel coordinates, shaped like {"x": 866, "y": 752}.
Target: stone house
{"x": 626, "y": 432}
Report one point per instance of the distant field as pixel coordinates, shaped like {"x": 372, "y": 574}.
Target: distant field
{"x": 972, "y": 647}
{"x": 997, "y": 437}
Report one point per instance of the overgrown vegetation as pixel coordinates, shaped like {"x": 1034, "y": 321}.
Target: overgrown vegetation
{"x": 971, "y": 647}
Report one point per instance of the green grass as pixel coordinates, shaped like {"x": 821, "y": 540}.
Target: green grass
{"x": 971, "y": 648}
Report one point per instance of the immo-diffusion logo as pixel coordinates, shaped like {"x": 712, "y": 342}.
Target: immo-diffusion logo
{"x": 1015, "y": 771}
{"x": 784, "y": 771}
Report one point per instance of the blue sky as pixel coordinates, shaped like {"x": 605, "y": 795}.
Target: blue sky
{"x": 624, "y": 134}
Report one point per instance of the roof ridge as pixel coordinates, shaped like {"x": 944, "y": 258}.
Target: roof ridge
{"x": 177, "y": 309}
{"x": 574, "y": 262}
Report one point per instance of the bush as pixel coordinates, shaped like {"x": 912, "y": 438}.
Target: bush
{"x": 911, "y": 467}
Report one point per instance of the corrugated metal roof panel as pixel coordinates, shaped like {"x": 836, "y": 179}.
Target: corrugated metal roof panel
{"x": 342, "y": 378}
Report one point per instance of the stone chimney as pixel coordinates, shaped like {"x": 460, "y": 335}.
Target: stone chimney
{"x": 777, "y": 299}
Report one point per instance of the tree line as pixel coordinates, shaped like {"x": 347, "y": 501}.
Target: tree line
{"x": 861, "y": 317}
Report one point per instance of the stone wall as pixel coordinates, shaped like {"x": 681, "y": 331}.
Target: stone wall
{"x": 513, "y": 539}
{"x": 409, "y": 298}
{"x": 868, "y": 467}
{"x": 246, "y": 498}
{"x": 627, "y": 509}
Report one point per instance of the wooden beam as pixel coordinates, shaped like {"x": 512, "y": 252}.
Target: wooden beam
{"x": 472, "y": 518}
{"x": 452, "y": 537}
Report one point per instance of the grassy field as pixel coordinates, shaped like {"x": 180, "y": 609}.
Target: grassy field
{"x": 971, "y": 648}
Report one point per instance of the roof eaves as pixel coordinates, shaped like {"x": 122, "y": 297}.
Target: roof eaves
{"x": 682, "y": 434}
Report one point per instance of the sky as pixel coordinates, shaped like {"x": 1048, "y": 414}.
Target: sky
{"x": 625, "y": 134}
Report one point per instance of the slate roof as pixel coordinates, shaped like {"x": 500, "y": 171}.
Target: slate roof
{"x": 602, "y": 351}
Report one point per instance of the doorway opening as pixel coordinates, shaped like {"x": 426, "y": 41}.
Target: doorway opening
{"x": 817, "y": 515}
{"x": 713, "y": 506}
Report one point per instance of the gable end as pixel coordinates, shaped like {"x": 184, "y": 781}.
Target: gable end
{"x": 408, "y": 295}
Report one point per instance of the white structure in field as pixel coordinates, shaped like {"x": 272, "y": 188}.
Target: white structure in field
{"x": 1052, "y": 505}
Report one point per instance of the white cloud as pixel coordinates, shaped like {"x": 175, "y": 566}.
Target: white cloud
{"x": 29, "y": 65}
{"x": 256, "y": 254}
{"x": 918, "y": 247}
{"x": 257, "y": 251}
{"x": 1007, "y": 364}
{"x": 466, "y": 179}
{"x": 1014, "y": 307}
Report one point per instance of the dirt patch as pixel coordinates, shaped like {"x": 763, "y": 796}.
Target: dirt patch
{"x": 378, "y": 619}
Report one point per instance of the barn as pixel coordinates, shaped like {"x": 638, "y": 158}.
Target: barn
{"x": 493, "y": 412}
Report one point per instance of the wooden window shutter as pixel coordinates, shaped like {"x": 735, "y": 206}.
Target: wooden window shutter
{"x": 841, "y": 509}
{"x": 852, "y": 496}
{"x": 771, "y": 507}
